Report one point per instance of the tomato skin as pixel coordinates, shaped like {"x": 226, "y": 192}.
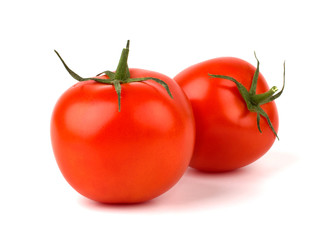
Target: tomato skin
{"x": 227, "y": 136}
{"x": 123, "y": 157}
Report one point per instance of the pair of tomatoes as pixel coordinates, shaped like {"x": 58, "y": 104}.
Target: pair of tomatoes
{"x": 128, "y": 136}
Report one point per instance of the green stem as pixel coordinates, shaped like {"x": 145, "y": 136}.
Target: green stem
{"x": 122, "y": 71}
{"x": 258, "y": 98}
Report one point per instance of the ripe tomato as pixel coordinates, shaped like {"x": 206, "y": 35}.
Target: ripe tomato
{"x": 126, "y": 156}
{"x": 227, "y": 136}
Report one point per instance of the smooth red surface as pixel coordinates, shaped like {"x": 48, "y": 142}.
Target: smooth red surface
{"x": 227, "y": 136}
{"x": 123, "y": 157}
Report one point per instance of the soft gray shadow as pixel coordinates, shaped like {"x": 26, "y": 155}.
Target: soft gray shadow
{"x": 199, "y": 190}
{"x": 116, "y": 206}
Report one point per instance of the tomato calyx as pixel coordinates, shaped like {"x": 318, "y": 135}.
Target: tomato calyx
{"x": 253, "y": 100}
{"x": 120, "y": 76}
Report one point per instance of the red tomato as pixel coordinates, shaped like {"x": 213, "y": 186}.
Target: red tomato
{"x": 123, "y": 157}
{"x": 227, "y": 136}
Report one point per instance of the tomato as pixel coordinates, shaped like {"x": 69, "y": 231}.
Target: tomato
{"x": 227, "y": 133}
{"x": 127, "y": 156}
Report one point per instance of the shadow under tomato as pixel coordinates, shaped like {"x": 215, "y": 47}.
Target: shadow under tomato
{"x": 200, "y": 190}
{"x": 203, "y": 189}
{"x": 118, "y": 206}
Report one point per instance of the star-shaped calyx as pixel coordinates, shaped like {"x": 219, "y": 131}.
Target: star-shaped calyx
{"x": 120, "y": 76}
{"x": 253, "y": 100}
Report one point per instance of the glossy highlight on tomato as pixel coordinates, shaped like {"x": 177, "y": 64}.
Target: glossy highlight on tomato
{"x": 227, "y": 133}
{"x": 127, "y": 156}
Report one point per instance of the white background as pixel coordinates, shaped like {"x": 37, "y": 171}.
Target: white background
{"x": 284, "y": 195}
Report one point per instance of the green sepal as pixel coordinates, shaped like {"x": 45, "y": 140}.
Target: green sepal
{"x": 159, "y": 81}
{"x": 118, "y": 90}
{"x": 255, "y": 77}
{"x": 265, "y": 115}
{"x": 76, "y": 76}
{"x": 110, "y": 74}
{"x": 243, "y": 91}
{"x": 258, "y": 122}
{"x": 72, "y": 73}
